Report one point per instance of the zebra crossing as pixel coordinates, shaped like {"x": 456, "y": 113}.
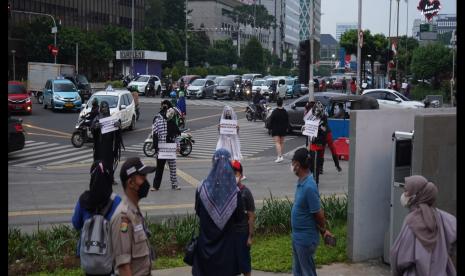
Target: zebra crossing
{"x": 202, "y": 102}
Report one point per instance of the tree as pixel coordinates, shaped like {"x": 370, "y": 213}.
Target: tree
{"x": 252, "y": 57}
{"x": 404, "y": 56}
{"x": 198, "y": 43}
{"x": 245, "y": 15}
{"x": 223, "y": 52}
{"x": 432, "y": 61}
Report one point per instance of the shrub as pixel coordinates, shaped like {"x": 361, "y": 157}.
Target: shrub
{"x": 115, "y": 84}
{"x": 274, "y": 216}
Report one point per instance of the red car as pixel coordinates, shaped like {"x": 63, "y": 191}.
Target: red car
{"x": 337, "y": 84}
{"x": 18, "y": 98}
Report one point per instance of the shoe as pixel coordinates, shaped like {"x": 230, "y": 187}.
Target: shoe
{"x": 175, "y": 187}
{"x": 281, "y": 158}
{"x": 278, "y": 159}
{"x": 153, "y": 189}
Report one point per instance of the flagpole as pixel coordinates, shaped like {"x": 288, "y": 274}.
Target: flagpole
{"x": 389, "y": 43}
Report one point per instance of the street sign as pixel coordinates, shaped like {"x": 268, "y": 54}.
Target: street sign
{"x": 360, "y": 37}
{"x": 429, "y": 8}
{"x": 54, "y": 30}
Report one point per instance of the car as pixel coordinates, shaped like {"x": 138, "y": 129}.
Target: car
{"x": 145, "y": 83}
{"x": 217, "y": 80}
{"x": 293, "y": 88}
{"x": 212, "y": 77}
{"x": 250, "y": 77}
{"x": 303, "y": 89}
{"x": 82, "y": 84}
{"x": 187, "y": 79}
{"x": 295, "y": 109}
{"x": 337, "y": 83}
{"x": 18, "y": 98}
{"x": 16, "y": 138}
{"x": 200, "y": 88}
{"x": 61, "y": 94}
{"x": 121, "y": 105}
{"x": 225, "y": 89}
{"x": 256, "y": 85}
{"x": 388, "y": 98}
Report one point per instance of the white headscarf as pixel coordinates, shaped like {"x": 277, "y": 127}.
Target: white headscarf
{"x": 228, "y": 109}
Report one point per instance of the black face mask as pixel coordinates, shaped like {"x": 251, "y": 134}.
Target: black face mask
{"x": 143, "y": 190}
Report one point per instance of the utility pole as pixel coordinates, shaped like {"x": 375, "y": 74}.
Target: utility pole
{"x": 359, "y": 47}
{"x": 397, "y": 59}
{"x": 77, "y": 58}
{"x": 389, "y": 43}
{"x": 14, "y": 67}
{"x": 310, "y": 78}
{"x": 186, "y": 60}
{"x": 132, "y": 40}
{"x": 453, "y": 41}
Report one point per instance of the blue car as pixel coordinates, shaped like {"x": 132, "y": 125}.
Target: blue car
{"x": 61, "y": 94}
{"x": 293, "y": 88}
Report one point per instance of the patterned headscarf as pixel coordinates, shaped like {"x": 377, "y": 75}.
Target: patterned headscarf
{"x": 218, "y": 191}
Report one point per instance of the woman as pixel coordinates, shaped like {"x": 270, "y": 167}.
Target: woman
{"x": 218, "y": 206}
{"x": 230, "y": 142}
{"x": 96, "y": 198}
{"x": 428, "y": 235}
{"x": 279, "y": 123}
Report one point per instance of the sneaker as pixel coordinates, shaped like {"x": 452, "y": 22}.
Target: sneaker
{"x": 281, "y": 158}
{"x": 153, "y": 189}
{"x": 278, "y": 159}
{"x": 175, "y": 187}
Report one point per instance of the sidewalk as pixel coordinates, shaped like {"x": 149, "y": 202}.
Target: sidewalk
{"x": 369, "y": 268}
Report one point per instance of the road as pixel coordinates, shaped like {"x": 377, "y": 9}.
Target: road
{"x": 47, "y": 177}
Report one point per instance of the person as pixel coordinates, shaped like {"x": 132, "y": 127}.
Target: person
{"x": 353, "y": 86}
{"x": 93, "y": 113}
{"x": 230, "y": 142}
{"x": 218, "y": 206}
{"x": 181, "y": 103}
{"x": 341, "y": 112}
{"x": 135, "y": 96}
{"x": 307, "y": 216}
{"x": 428, "y": 235}
{"x": 257, "y": 97}
{"x": 245, "y": 227}
{"x": 165, "y": 131}
{"x": 279, "y": 124}
{"x": 344, "y": 85}
{"x": 107, "y": 147}
{"x": 132, "y": 253}
{"x": 173, "y": 96}
{"x": 95, "y": 199}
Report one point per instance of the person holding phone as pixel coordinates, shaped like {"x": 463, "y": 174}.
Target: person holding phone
{"x": 307, "y": 217}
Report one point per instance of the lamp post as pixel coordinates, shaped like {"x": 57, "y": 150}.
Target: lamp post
{"x": 186, "y": 60}
{"x": 310, "y": 79}
{"x": 359, "y": 46}
{"x": 452, "y": 41}
{"x": 14, "y": 68}
{"x": 397, "y": 59}
{"x": 389, "y": 43}
{"x": 132, "y": 39}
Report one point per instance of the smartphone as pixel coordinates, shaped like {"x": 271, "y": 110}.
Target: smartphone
{"x": 330, "y": 241}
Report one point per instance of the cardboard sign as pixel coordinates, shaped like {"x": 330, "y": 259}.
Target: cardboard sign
{"x": 107, "y": 124}
{"x": 167, "y": 151}
{"x": 311, "y": 128}
{"x": 228, "y": 127}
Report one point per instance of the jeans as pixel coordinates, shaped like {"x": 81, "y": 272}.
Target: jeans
{"x": 303, "y": 263}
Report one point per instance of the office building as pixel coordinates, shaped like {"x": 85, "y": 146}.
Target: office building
{"x": 329, "y": 48}
{"x": 306, "y": 15}
{"x": 441, "y": 24}
{"x": 341, "y": 28}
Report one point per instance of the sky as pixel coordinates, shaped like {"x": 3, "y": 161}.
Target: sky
{"x": 375, "y": 14}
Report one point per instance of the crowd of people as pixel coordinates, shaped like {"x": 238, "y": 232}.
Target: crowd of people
{"x": 114, "y": 233}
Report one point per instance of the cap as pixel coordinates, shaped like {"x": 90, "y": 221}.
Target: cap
{"x": 134, "y": 165}
{"x": 302, "y": 156}
{"x": 237, "y": 166}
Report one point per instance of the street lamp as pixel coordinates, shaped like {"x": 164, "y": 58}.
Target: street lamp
{"x": 132, "y": 39}
{"x": 359, "y": 46}
{"x": 186, "y": 60}
{"x": 333, "y": 56}
{"x": 14, "y": 68}
{"x": 310, "y": 79}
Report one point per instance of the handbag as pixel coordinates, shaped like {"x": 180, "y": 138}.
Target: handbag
{"x": 189, "y": 252}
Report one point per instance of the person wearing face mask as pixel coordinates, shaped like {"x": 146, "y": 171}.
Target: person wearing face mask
{"x": 307, "y": 216}
{"x": 427, "y": 240}
{"x": 245, "y": 227}
{"x": 132, "y": 253}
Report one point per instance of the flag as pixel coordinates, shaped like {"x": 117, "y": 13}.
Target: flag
{"x": 393, "y": 48}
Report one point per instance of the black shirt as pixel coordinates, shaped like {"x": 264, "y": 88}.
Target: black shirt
{"x": 248, "y": 206}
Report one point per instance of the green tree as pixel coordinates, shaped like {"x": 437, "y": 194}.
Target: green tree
{"x": 223, "y": 52}
{"x": 245, "y": 15}
{"x": 405, "y": 48}
{"x": 252, "y": 56}
{"x": 432, "y": 61}
{"x": 155, "y": 13}
{"x": 198, "y": 43}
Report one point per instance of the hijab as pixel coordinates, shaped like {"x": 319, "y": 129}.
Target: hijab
{"x": 218, "y": 191}
{"x": 422, "y": 216}
{"x": 100, "y": 188}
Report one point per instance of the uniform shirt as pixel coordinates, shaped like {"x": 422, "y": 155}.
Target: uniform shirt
{"x": 129, "y": 236}
{"x": 306, "y": 204}
{"x": 135, "y": 95}
{"x": 242, "y": 225}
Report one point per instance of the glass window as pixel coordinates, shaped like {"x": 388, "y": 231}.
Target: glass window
{"x": 390, "y": 97}
{"x": 130, "y": 98}
{"x": 227, "y": 82}
{"x": 16, "y": 89}
{"x": 258, "y": 82}
{"x": 64, "y": 87}
{"x": 301, "y": 103}
{"x": 142, "y": 79}
{"x": 198, "y": 82}
{"x": 111, "y": 100}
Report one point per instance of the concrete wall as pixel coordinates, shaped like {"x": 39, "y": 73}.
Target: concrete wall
{"x": 370, "y": 169}
{"x": 435, "y": 155}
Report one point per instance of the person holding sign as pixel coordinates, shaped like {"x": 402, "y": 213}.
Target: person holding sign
{"x": 229, "y": 133}
{"x": 107, "y": 138}
{"x": 279, "y": 124}
{"x": 165, "y": 132}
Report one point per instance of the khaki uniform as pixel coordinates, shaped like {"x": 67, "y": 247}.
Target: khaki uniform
{"x": 129, "y": 236}
{"x": 135, "y": 95}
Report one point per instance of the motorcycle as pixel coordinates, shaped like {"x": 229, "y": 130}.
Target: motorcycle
{"x": 185, "y": 144}
{"x": 82, "y": 134}
{"x": 248, "y": 93}
{"x": 252, "y": 114}
{"x": 238, "y": 92}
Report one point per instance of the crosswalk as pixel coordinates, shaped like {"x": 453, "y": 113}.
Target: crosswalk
{"x": 201, "y": 102}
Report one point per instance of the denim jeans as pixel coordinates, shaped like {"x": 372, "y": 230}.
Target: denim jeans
{"x": 303, "y": 263}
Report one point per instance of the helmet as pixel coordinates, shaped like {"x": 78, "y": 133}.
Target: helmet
{"x": 170, "y": 113}
{"x": 95, "y": 102}
{"x": 318, "y": 109}
{"x": 132, "y": 88}
{"x": 173, "y": 94}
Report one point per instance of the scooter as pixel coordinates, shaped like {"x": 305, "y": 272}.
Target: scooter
{"x": 185, "y": 143}
{"x": 82, "y": 134}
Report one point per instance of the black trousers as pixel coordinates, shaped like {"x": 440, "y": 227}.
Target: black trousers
{"x": 317, "y": 166}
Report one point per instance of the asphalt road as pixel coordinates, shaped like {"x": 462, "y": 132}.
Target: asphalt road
{"x": 47, "y": 177}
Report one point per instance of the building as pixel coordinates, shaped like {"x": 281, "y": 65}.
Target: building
{"x": 145, "y": 62}
{"x": 84, "y": 14}
{"x": 329, "y": 48}
{"x": 341, "y": 28}
{"x": 291, "y": 27}
{"x": 441, "y": 24}
{"x": 305, "y": 16}
{"x": 216, "y": 19}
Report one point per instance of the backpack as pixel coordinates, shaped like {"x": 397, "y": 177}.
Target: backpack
{"x": 95, "y": 248}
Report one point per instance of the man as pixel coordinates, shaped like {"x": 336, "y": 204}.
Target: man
{"x": 135, "y": 96}
{"x": 307, "y": 217}
{"x": 132, "y": 253}
{"x": 245, "y": 226}
{"x": 161, "y": 134}
{"x": 258, "y": 107}
{"x": 344, "y": 85}
{"x": 107, "y": 147}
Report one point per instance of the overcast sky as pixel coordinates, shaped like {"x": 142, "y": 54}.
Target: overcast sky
{"x": 375, "y": 14}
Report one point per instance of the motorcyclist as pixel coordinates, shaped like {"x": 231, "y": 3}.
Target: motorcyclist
{"x": 135, "y": 94}
{"x": 89, "y": 117}
{"x": 173, "y": 96}
{"x": 257, "y": 103}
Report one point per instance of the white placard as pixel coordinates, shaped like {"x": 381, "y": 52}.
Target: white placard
{"x": 167, "y": 151}
{"x": 311, "y": 128}
{"x": 228, "y": 127}
{"x": 107, "y": 124}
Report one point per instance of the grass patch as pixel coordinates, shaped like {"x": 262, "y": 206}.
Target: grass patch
{"x": 164, "y": 262}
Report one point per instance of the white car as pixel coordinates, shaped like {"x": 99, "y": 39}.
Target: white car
{"x": 391, "y": 98}
{"x": 257, "y": 85}
{"x": 121, "y": 105}
{"x": 143, "y": 80}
